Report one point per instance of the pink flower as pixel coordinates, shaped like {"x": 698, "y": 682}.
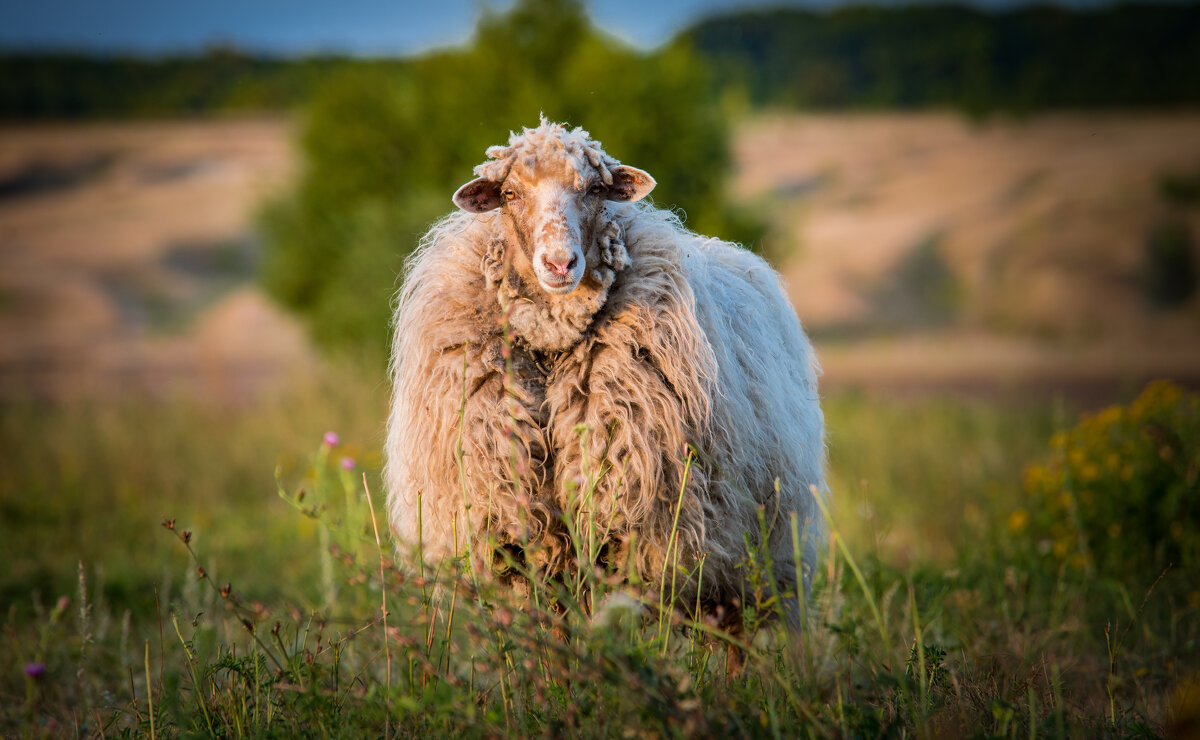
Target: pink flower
{"x": 348, "y": 463}
{"x": 331, "y": 439}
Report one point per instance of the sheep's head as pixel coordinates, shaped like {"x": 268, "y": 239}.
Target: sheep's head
{"x": 553, "y": 186}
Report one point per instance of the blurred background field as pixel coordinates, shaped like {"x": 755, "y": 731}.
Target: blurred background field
{"x": 985, "y": 239}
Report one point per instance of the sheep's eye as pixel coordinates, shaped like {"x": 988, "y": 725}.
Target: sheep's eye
{"x": 596, "y": 189}
{"x": 510, "y": 194}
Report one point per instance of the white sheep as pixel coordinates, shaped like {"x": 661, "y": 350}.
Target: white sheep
{"x": 559, "y": 349}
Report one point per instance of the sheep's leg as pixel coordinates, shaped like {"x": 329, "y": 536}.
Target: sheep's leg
{"x": 735, "y": 661}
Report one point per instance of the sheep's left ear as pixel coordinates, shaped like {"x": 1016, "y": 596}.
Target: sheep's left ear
{"x": 478, "y": 196}
{"x": 630, "y": 183}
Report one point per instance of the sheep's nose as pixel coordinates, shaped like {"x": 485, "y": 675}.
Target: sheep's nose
{"x": 560, "y": 266}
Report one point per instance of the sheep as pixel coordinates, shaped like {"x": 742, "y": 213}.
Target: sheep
{"x": 566, "y": 355}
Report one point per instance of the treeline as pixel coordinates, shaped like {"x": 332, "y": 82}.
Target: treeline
{"x": 67, "y": 86}
{"x": 1020, "y": 59}
{"x": 1025, "y": 58}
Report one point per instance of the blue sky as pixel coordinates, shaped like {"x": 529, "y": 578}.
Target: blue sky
{"x": 301, "y": 26}
{"x": 298, "y": 26}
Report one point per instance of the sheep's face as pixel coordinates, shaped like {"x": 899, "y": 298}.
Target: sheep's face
{"x": 554, "y": 201}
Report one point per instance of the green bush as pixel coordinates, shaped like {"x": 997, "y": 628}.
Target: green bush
{"x": 1169, "y": 265}
{"x": 385, "y": 147}
{"x": 1120, "y": 492}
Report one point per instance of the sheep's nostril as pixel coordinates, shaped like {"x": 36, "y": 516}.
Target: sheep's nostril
{"x": 557, "y": 267}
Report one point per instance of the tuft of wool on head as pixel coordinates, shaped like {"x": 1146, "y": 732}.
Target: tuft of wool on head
{"x": 548, "y": 138}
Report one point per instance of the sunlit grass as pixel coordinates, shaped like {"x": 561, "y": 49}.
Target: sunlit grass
{"x": 247, "y": 613}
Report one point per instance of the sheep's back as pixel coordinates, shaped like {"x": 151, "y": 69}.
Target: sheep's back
{"x": 767, "y": 419}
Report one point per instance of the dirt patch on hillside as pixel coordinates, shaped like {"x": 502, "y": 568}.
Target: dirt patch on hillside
{"x": 929, "y": 251}
{"x": 127, "y": 255}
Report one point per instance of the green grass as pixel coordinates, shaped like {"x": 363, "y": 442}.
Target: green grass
{"x": 931, "y": 615}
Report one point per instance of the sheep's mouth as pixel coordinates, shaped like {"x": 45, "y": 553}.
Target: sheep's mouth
{"x": 556, "y": 285}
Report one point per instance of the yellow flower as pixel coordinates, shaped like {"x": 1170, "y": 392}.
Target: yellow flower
{"x": 1018, "y": 520}
{"x": 1109, "y": 416}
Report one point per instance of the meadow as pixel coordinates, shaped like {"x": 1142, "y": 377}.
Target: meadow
{"x": 175, "y": 568}
{"x": 1009, "y": 556}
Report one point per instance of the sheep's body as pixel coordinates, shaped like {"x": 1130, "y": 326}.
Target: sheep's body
{"x": 669, "y": 341}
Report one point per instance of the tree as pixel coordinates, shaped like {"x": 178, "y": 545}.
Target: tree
{"x": 385, "y": 147}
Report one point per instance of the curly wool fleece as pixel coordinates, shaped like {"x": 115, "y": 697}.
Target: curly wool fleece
{"x": 671, "y": 341}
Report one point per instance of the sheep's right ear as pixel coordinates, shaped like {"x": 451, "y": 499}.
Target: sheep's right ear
{"x": 478, "y": 196}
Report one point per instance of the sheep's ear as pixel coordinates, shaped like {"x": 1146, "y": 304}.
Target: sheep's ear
{"x": 478, "y": 196}
{"x": 630, "y": 183}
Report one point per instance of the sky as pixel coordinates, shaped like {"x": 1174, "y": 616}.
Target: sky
{"x": 301, "y": 26}
{"x": 364, "y": 27}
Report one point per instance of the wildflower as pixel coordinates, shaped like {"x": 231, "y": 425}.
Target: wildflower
{"x": 348, "y": 463}
{"x": 332, "y": 439}
{"x": 35, "y": 670}
{"x": 1018, "y": 520}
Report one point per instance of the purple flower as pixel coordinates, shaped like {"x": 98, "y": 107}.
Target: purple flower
{"x": 348, "y": 463}
{"x": 35, "y": 670}
{"x": 331, "y": 439}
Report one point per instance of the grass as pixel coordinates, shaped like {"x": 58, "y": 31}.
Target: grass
{"x": 156, "y": 584}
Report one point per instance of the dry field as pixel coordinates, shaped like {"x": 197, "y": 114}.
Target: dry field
{"x": 126, "y": 259}
{"x": 924, "y": 252}
{"x": 927, "y": 252}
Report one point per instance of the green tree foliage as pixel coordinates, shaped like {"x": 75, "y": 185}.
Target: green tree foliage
{"x": 1025, "y": 58}
{"x": 68, "y": 86}
{"x": 1019, "y": 59}
{"x": 384, "y": 148}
